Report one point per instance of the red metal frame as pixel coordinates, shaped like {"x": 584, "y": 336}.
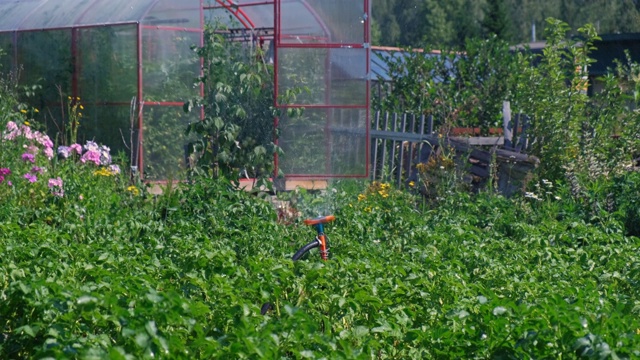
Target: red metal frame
{"x": 238, "y": 11}
{"x": 140, "y": 104}
{"x": 326, "y": 45}
{"x": 276, "y": 120}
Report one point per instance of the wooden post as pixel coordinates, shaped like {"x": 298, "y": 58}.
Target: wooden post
{"x": 374, "y": 147}
{"x": 506, "y": 123}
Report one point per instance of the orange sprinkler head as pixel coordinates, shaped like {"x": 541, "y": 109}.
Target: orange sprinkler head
{"x": 320, "y": 220}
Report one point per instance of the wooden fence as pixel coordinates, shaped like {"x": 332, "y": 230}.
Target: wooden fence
{"x": 400, "y": 141}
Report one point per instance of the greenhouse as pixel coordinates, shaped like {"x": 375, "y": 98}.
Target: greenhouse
{"x": 131, "y": 65}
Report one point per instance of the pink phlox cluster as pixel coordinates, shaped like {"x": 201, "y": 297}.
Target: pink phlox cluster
{"x": 77, "y": 148}
{"x": 32, "y": 149}
{"x": 56, "y": 187}
{"x": 5, "y": 172}
{"x": 114, "y": 169}
{"x": 32, "y": 178}
{"x": 28, "y": 157}
{"x": 13, "y": 131}
{"x": 48, "y": 152}
{"x": 92, "y": 156}
{"x": 96, "y": 154}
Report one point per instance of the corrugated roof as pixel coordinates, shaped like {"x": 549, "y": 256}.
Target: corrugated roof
{"x": 380, "y": 57}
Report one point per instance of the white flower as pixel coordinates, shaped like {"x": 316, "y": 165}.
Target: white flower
{"x": 499, "y": 310}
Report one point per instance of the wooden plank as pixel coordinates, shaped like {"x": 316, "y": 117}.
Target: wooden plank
{"x": 374, "y": 148}
{"x": 412, "y": 146}
{"x": 384, "y": 146}
{"x": 506, "y": 123}
{"x": 522, "y": 143}
{"x": 392, "y": 157}
{"x": 400, "y": 165}
{"x": 480, "y": 140}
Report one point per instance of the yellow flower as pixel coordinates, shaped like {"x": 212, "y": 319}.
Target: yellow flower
{"x": 361, "y": 197}
{"x": 385, "y": 195}
{"x": 69, "y": 97}
{"x": 134, "y": 190}
{"x": 79, "y": 114}
{"x": 367, "y": 209}
{"x": 27, "y": 123}
{"x": 23, "y": 111}
{"x": 81, "y": 107}
{"x": 103, "y": 172}
{"x": 412, "y": 184}
{"x": 36, "y": 110}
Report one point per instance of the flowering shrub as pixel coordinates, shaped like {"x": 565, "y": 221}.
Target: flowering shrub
{"x": 35, "y": 151}
{"x": 39, "y": 183}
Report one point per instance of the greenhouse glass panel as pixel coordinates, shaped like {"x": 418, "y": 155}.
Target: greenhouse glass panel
{"x": 108, "y": 64}
{"x": 178, "y": 14}
{"x": 332, "y": 76}
{"x": 322, "y": 21}
{"x": 56, "y": 14}
{"x": 348, "y": 69}
{"x": 110, "y": 125}
{"x": 114, "y": 12}
{"x": 170, "y": 67}
{"x": 165, "y": 142}
{"x": 13, "y": 12}
{"x": 303, "y": 68}
{"x": 325, "y": 142}
{"x": 53, "y": 75}
{"x": 6, "y": 52}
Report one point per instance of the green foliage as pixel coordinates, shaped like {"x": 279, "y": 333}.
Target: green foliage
{"x": 496, "y": 20}
{"x": 182, "y": 275}
{"x": 237, "y": 132}
{"x": 571, "y": 132}
{"x": 457, "y": 89}
{"x": 451, "y": 23}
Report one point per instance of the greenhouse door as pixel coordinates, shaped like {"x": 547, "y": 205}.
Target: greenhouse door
{"x": 322, "y": 87}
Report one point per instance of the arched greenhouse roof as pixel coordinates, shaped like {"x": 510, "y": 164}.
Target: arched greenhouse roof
{"x": 21, "y": 15}
{"x": 300, "y": 21}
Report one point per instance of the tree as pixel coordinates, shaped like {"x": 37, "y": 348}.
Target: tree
{"x": 496, "y": 20}
{"x": 437, "y": 28}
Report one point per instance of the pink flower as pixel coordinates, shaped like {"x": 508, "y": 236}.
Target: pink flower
{"x": 11, "y": 126}
{"x": 4, "y": 172}
{"x": 77, "y": 148}
{"x": 32, "y": 149}
{"x": 91, "y": 155}
{"x": 31, "y": 178}
{"x": 37, "y": 170}
{"x": 28, "y": 157}
{"x": 55, "y": 182}
{"x": 56, "y": 187}
{"x": 13, "y": 131}
{"x": 26, "y": 131}
{"x": 48, "y": 152}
